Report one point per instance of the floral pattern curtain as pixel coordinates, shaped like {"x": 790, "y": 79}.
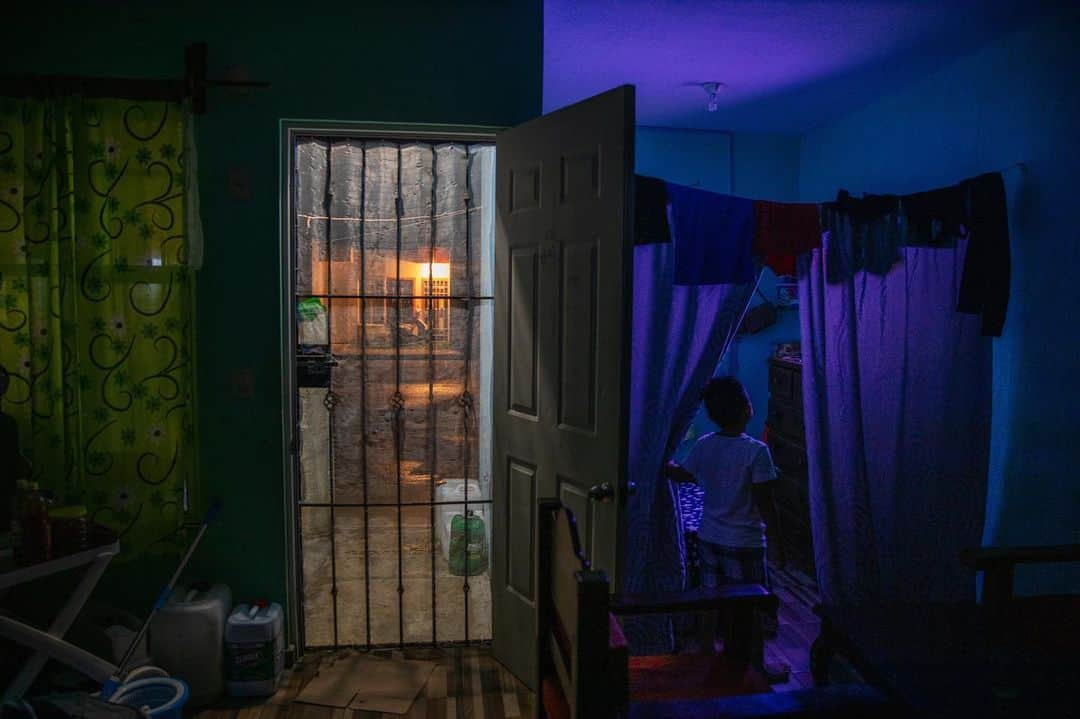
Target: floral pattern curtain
{"x": 95, "y": 308}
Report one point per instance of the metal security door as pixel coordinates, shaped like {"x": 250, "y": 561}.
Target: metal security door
{"x": 392, "y": 313}
{"x": 562, "y": 337}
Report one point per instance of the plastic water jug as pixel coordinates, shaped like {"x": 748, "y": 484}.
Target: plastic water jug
{"x": 187, "y": 639}
{"x": 468, "y": 545}
{"x": 254, "y": 649}
{"x": 453, "y": 490}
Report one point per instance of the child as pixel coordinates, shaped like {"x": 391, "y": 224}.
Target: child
{"x": 736, "y": 473}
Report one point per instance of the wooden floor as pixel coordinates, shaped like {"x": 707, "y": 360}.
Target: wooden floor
{"x": 466, "y": 684}
{"x": 798, "y": 626}
{"x": 797, "y": 630}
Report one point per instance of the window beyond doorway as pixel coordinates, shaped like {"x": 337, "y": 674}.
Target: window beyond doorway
{"x": 392, "y": 253}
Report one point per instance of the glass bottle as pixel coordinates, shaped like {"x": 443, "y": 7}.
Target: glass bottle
{"x": 36, "y": 536}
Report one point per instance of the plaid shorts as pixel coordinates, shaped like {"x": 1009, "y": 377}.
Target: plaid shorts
{"x": 727, "y": 565}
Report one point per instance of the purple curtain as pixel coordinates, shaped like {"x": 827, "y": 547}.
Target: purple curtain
{"x": 896, "y": 388}
{"x": 679, "y": 334}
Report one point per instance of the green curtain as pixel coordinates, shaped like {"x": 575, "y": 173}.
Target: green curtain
{"x": 96, "y": 315}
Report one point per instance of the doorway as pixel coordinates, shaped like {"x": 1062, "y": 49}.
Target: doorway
{"x": 404, "y": 452}
{"x": 390, "y": 361}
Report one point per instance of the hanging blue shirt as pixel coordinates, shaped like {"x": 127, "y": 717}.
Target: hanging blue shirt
{"x": 713, "y": 236}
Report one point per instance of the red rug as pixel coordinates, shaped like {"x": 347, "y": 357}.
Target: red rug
{"x": 691, "y": 676}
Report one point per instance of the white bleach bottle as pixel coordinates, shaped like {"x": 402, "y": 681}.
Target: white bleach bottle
{"x": 254, "y": 649}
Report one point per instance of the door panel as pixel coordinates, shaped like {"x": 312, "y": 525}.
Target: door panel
{"x": 520, "y": 524}
{"x": 524, "y": 325}
{"x": 563, "y": 259}
{"x": 577, "y": 337}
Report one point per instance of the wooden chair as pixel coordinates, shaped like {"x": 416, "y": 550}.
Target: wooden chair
{"x": 585, "y": 669}
{"x": 1000, "y": 607}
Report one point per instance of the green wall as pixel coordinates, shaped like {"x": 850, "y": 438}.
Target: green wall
{"x": 466, "y": 62}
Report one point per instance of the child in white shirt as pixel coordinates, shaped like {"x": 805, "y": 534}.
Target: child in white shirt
{"x": 739, "y": 521}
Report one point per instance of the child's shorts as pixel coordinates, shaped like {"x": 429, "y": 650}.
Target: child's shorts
{"x": 727, "y": 565}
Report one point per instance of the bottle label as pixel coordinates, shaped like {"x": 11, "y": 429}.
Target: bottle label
{"x": 255, "y": 661}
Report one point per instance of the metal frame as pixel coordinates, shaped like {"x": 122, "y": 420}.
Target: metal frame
{"x": 290, "y": 132}
{"x": 51, "y": 644}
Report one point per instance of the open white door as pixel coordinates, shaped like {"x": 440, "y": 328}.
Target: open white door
{"x": 563, "y": 263}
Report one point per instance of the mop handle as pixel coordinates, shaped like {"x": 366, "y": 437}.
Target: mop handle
{"x": 162, "y": 598}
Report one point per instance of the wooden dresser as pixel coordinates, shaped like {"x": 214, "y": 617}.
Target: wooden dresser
{"x": 787, "y": 442}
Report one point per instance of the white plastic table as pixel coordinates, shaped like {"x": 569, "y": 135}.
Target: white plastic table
{"x": 51, "y": 644}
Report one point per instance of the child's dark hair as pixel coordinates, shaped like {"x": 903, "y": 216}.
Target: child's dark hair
{"x": 725, "y": 400}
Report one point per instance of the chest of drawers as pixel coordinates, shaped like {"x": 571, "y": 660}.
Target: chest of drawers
{"x": 787, "y": 443}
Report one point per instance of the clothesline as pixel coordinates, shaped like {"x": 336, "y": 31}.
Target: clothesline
{"x": 1019, "y": 164}
{"x": 407, "y": 218}
{"x": 717, "y": 236}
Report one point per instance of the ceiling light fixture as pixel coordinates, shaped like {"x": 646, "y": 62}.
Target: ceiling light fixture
{"x": 712, "y": 92}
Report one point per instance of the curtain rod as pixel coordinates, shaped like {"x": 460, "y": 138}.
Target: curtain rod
{"x": 127, "y": 88}
{"x": 192, "y": 86}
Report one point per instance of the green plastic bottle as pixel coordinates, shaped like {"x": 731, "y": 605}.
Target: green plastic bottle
{"x": 468, "y": 545}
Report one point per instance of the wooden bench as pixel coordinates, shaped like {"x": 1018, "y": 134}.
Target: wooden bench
{"x": 585, "y": 669}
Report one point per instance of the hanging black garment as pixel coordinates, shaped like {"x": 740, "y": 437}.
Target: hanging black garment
{"x": 936, "y": 218}
{"x": 863, "y": 234}
{"x": 984, "y": 288}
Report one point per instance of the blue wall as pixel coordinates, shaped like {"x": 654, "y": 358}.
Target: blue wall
{"x": 765, "y": 167}
{"x": 1015, "y": 100}
{"x": 686, "y": 157}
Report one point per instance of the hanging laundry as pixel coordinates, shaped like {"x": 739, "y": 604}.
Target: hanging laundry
{"x": 863, "y": 234}
{"x": 984, "y": 287}
{"x": 837, "y": 235}
{"x": 713, "y": 234}
{"x": 650, "y": 211}
{"x": 936, "y": 218}
{"x": 716, "y": 237}
{"x": 867, "y": 209}
{"x": 783, "y": 231}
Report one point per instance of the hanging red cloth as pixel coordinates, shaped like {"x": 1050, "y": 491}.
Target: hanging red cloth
{"x": 783, "y": 231}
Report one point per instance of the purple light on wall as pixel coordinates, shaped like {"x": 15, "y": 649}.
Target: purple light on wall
{"x": 788, "y": 65}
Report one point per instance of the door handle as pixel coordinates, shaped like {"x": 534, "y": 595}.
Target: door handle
{"x": 602, "y": 492}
